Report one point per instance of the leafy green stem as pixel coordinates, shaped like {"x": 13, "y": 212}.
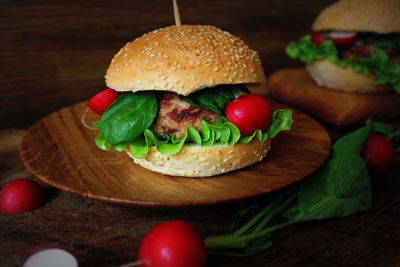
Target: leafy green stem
{"x": 256, "y": 218}
{"x": 234, "y": 241}
{"x": 254, "y": 228}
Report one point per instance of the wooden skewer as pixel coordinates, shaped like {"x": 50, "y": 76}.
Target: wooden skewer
{"x": 176, "y": 14}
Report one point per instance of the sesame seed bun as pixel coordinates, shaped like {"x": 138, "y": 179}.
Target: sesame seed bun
{"x": 329, "y": 75}
{"x": 184, "y": 59}
{"x": 198, "y": 161}
{"x": 380, "y": 16}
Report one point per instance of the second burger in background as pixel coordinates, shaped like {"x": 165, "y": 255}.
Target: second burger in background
{"x": 355, "y": 47}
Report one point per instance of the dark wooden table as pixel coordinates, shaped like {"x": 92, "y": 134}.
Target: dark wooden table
{"x": 55, "y": 53}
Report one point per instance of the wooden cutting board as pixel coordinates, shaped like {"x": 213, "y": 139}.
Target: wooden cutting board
{"x": 60, "y": 151}
{"x": 340, "y": 109}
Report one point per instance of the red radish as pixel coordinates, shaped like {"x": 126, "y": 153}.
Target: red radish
{"x": 249, "y": 113}
{"x": 172, "y": 244}
{"x": 318, "y": 38}
{"x": 101, "y": 101}
{"x": 20, "y": 195}
{"x": 379, "y": 154}
{"x": 343, "y": 38}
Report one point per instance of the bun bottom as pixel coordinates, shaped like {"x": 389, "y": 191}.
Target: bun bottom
{"x": 327, "y": 74}
{"x": 200, "y": 161}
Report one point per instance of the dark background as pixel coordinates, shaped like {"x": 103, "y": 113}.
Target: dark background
{"x": 55, "y": 53}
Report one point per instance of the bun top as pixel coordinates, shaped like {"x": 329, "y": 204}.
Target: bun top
{"x": 381, "y": 16}
{"x": 184, "y": 59}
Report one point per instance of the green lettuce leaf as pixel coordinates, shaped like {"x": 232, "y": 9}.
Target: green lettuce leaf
{"x": 378, "y": 64}
{"x": 222, "y": 132}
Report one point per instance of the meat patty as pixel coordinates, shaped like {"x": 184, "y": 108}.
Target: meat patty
{"x": 359, "y": 50}
{"x": 175, "y": 114}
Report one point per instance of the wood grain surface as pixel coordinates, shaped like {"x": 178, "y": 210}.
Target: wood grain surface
{"x": 341, "y": 109}
{"x": 54, "y": 54}
{"x": 60, "y": 151}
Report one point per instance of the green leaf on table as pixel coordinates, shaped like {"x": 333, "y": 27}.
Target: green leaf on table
{"x": 341, "y": 188}
{"x": 351, "y": 143}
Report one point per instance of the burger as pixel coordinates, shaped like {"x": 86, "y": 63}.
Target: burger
{"x": 179, "y": 103}
{"x": 354, "y": 47}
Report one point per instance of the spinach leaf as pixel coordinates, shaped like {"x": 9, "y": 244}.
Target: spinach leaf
{"x": 216, "y": 98}
{"x": 340, "y": 189}
{"x": 128, "y": 117}
{"x": 351, "y": 143}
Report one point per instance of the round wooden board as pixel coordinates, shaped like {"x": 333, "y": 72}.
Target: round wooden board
{"x": 60, "y": 151}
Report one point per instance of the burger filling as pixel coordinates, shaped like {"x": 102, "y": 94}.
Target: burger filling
{"x": 175, "y": 115}
{"x": 166, "y": 120}
{"x": 366, "y": 52}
